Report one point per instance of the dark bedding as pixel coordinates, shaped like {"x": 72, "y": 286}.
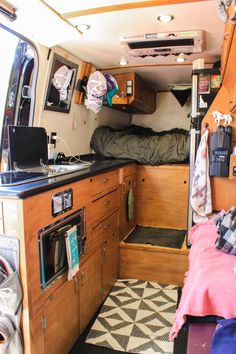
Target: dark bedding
{"x": 142, "y": 144}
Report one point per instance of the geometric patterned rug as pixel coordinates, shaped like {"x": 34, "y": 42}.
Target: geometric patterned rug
{"x": 136, "y": 318}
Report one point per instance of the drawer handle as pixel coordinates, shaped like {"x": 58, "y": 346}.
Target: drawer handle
{"x": 123, "y": 187}
{"x": 82, "y": 277}
{"x": 105, "y": 180}
{"x": 107, "y": 202}
{"x": 106, "y": 226}
{"x": 76, "y": 282}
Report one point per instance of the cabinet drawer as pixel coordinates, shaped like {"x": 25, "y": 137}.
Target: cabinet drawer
{"x": 104, "y": 205}
{"x": 104, "y": 182}
{"x": 104, "y": 229}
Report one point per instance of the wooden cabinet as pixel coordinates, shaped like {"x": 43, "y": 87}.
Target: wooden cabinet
{"x": 90, "y": 280}
{"x": 103, "y": 206}
{"x": 103, "y": 183}
{"x": 142, "y": 100}
{"x": 99, "y": 273}
{"x": 128, "y": 185}
{"x": 162, "y": 196}
{"x": 61, "y": 319}
{"x": 54, "y": 317}
{"x": 228, "y": 35}
{"x": 105, "y": 228}
{"x": 110, "y": 251}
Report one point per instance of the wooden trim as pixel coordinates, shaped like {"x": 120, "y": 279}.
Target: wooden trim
{"x": 150, "y": 66}
{"x": 126, "y": 6}
{"x": 151, "y": 248}
{"x": 86, "y": 69}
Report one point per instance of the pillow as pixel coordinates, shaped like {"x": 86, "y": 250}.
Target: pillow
{"x": 226, "y": 228}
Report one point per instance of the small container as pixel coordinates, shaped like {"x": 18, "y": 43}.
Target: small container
{"x": 129, "y": 87}
{"x": 234, "y": 150}
{"x": 50, "y": 151}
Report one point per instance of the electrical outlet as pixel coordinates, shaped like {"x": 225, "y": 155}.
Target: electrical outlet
{"x": 53, "y": 138}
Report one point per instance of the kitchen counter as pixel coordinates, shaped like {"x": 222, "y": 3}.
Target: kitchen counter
{"x": 99, "y": 164}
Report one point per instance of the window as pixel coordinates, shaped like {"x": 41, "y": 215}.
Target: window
{"x": 18, "y": 71}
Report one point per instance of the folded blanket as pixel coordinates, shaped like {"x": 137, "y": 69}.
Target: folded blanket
{"x": 210, "y": 283}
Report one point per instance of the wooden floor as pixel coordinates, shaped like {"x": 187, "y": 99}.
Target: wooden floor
{"x": 153, "y": 263}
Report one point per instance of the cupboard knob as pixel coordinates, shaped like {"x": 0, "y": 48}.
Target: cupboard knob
{"x": 107, "y": 202}
{"x": 226, "y": 35}
{"x": 105, "y": 180}
{"x": 106, "y": 226}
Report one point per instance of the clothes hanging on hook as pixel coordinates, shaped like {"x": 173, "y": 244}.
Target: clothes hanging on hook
{"x": 200, "y": 197}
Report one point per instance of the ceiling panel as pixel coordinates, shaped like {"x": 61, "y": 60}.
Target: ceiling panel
{"x": 101, "y": 44}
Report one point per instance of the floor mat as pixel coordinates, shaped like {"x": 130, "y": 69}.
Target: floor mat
{"x": 136, "y": 318}
{"x": 157, "y": 237}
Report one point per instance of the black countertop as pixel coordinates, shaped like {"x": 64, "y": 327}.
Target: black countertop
{"x": 99, "y": 164}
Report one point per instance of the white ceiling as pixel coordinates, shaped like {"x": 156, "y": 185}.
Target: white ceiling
{"x": 101, "y": 44}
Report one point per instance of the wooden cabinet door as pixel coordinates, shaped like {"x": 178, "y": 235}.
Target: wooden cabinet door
{"x": 61, "y": 319}
{"x": 228, "y": 35}
{"x": 110, "y": 263}
{"x": 126, "y": 224}
{"x": 90, "y": 288}
{"x": 162, "y": 196}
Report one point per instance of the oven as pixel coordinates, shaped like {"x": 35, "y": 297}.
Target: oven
{"x": 52, "y": 245}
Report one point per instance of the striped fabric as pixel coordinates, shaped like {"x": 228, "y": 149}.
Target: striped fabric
{"x": 226, "y": 228}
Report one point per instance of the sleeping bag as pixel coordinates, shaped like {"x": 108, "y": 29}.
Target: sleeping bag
{"x": 142, "y": 144}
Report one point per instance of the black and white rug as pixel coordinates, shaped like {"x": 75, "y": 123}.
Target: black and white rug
{"x": 136, "y": 318}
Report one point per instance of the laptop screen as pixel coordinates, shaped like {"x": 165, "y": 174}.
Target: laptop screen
{"x": 27, "y": 146}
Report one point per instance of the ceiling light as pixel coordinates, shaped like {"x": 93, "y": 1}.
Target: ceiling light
{"x": 180, "y": 58}
{"x": 83, "y": 27}
{"x": 165, "y": 18}
{"x": 123, "y": 62}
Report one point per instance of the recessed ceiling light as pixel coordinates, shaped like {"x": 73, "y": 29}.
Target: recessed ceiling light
{"x": 165, "y": 18}
{"x": 83, "y": 27}
{"x": 123, "y": 62}
{"x": 180, "y": 58}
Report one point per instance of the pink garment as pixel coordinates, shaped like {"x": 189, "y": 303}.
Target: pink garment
{"x": 210, "y": 283}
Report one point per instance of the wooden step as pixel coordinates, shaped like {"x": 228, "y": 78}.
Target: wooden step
{"x": 153, "y": 263}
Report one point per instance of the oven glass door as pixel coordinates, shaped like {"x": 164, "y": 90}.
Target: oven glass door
{"x": 52, "y": 246}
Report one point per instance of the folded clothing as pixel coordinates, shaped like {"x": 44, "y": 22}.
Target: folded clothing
{"x": 6, "y": 329}
{"x": 10, "y": 309}
{"x": 10, "y": 338}
{"x": 226, "y": 229}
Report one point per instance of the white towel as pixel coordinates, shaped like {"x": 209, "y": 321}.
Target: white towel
{"x": 200, "y": 197}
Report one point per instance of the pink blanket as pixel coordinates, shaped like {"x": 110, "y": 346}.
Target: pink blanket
{"x": 210, "y": 283}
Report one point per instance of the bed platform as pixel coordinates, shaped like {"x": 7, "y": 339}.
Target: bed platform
{"x": 155, "y": 263}
{"x": 162, "y": 199}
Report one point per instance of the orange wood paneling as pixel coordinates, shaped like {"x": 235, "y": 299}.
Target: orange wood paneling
{"x": 162, "y": 196}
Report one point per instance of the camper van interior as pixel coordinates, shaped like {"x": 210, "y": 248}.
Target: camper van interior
{"x": 117, "y": 181}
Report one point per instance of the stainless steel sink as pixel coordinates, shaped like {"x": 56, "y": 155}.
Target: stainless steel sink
{"x": 11, "y": 178}
{"x": 64, "y": 169}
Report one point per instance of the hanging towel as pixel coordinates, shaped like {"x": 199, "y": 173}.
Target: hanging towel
{"x": 200, "y": 197}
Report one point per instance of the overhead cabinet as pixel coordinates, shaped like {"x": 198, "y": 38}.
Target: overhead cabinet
{"x": 135, "y": 96}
